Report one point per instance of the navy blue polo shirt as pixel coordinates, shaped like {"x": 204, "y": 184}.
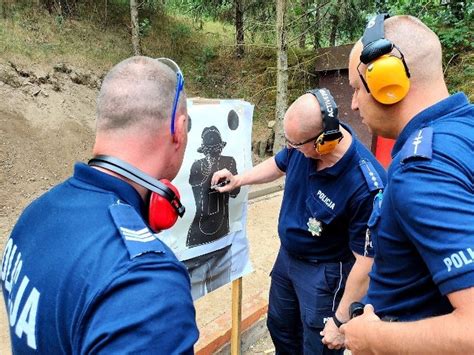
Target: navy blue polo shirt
{"x": 424, "y": 232}
{"x": 82, "y": 274}
{"x": 324, "y": 213}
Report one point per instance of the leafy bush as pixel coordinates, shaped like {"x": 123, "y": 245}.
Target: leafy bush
{"x": 180, "y": 32}
{"x": 144, "y": 27}
{"x": 451, "y": 21}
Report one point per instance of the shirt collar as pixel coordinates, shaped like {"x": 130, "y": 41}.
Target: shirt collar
{"x": 338, "y": 168}
{"x": 100, "y": 180}
{"x": 425, "y": 117}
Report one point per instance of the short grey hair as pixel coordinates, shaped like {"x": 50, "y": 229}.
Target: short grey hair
{"x": 420, "y": 46}
{"x": 138, "y": 91}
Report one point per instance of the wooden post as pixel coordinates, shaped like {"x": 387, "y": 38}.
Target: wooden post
{"x": 236, "y": 316}
{"x": 135, "y": 27}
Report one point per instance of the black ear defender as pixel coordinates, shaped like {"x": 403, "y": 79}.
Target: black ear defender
{"x": 387, "y": 76}
{"x": 164, "y": 205}
{"x": 329, "y": 138}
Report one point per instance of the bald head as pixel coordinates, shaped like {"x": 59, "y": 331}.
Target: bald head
{"x": 420, "y": 46}
{"x": 422, "y": 51}
{"x": 138, "y": 92}
{"x": 305, "y": 115}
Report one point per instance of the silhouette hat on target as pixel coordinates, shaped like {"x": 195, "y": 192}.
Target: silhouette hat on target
{"x": 211, "y": 139}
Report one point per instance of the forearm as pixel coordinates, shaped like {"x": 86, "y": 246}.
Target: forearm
{"x": 356, "y": 286}
{"x": 266, "y": 171}
{"x": 448, "y": 334}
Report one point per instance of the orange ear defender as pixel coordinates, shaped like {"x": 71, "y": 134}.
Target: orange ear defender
{"x": 331, "y": 135}
{"x": 387, "y": 76}
{"x": 164, "y": 205}
{"x": 325, "y": 147}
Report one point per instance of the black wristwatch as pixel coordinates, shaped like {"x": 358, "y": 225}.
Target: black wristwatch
{"x": 337, "y": 321}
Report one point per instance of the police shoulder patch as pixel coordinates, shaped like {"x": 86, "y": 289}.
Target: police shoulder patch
{"x": 371, "y": 175}
{"x": 419, "y": 145}
{"x": 137, "y": 237}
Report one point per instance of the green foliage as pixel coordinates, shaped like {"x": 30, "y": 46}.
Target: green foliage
{"x": 208, "y": 54}
{"x": 352, "y": 17}
{"x": 152, "y": 5}
{"x": 59, "y": 20}
{"x": 203, "y": 9}
{"x": 455, "y": 35}
{"x": 97, "y": 35}
{"x": 144, "y": 27}
{"x": 180, "y": 31}
{"x": 34, "y": 35}
{"x": 460, "y": 75}
{"x": 452, "y": 22}
{"x": 346, "y": 18}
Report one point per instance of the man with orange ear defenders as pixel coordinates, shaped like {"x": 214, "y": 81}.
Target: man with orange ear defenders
{"x": 423, "y": 225}
{"x": 324, "y": 260}
{"x": 83, "y": 271}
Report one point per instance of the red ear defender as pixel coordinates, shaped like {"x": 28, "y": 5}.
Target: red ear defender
{"x": 161, "y": 212}
{"x": 164, "y": 204}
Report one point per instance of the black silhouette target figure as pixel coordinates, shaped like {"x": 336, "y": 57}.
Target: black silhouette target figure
{"x": 211, "y": 221}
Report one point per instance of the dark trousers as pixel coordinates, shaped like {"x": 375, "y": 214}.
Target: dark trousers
{"x": 303, "y": 295}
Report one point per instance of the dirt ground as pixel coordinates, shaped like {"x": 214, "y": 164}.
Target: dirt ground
{"x": 42, "y": 133}
{"x": 46, "y": 124}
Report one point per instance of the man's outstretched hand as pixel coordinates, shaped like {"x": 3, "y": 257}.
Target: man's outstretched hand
{"x": 224, "y": 181}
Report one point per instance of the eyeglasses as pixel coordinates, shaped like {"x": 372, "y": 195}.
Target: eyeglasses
{"x": 179, "y": 86}
{"x": 299, "y": 145}
{"x": 362, "y": 78}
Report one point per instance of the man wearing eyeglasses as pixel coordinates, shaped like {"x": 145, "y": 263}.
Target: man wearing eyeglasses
{"x": 324, "y": 258}
{"x": 82, "y": 271}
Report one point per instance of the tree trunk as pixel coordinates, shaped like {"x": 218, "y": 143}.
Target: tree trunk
{"x": 239, "y": 27}
{"x": 282, "y": 74}
{"x": 135, "y": 28}
{"x": 334, "y": 25}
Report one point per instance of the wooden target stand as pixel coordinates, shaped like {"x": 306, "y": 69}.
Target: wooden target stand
{"x": 235, "y": 338}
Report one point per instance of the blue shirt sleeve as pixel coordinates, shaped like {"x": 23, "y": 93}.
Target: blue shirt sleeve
{"x": 434, "y": 206}
{"x": 146, "y": 308}
{"x": 282, "y": 159}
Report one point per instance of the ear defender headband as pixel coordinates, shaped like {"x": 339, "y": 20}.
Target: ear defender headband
{"x": 330, "y": 137}
{"x": 387, "y": 76}
{"x": 164, "y": 205}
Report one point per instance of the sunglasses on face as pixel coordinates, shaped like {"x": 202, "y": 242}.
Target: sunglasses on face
{"x": 179, "y": 86}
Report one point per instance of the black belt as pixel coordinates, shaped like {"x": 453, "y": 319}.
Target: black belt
{"x": 318, "y": 261}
